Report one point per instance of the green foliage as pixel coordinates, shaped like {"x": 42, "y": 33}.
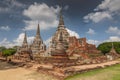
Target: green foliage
{"x": 108, "y": 73}
{"x": 8, "y": 52}
{"x": 15, "y": 47}
{"x": 2, "y": 48}
{"x": 106, "y": 47}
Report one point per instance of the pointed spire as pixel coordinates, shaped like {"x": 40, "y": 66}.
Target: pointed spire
{"x": 113, "y": 49}
{"x": 38, "y": 32}
{"x": 61, "y": 21}
{"x": 25, "y": 38}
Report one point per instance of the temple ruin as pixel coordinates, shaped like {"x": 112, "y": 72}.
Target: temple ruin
{"x": 63, "y": 48}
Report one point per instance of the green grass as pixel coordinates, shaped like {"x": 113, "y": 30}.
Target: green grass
{"x": 108, "y": 73}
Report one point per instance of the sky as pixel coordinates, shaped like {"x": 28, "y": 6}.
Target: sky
{"x": 97, "y": 20}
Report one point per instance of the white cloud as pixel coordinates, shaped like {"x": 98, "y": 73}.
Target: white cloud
{"x": 6, "y": 28}
{"x": 113, "y": 38}
{"x": 10, "y": 5}
{"x": 110, "y": 39}
{"x": 19, "y": 40}
{"x": 6, "y": 43}
{"x": 113, "y": 30}
{"x": 97, "y": 17}
{"x": 73, "y": 33}
{"x": 47, "y": 42}
{"x": 103, "y": 5}
{"x": 16, "y": 42}
{"x": 110, "y": 5}
{"x": 91, "y": 31}
{"x": 95, "y": 42}
{"x": 42, "y": 13}
{"x": 106, "y": 10}
{"x": 15, "y": 3}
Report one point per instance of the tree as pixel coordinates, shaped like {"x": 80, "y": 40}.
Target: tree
{"x": 15, "y": 47}
{"x": 8, "y": 52}
{"x": 2, "y": 48}
{"x": 106, "y": 47}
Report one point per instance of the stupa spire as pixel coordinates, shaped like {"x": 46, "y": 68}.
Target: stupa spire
{"x": 113, "y": 49}
{"x": 25, "y": 38}
{"x": 38, "y": 44}
{"x": 61, "y": 20}
{"x": 38, "y": 32}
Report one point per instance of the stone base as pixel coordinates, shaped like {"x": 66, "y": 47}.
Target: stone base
{"x": 57, "y": 61}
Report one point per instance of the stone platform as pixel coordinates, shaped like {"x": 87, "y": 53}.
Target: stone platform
{"x": 57, "y": 61}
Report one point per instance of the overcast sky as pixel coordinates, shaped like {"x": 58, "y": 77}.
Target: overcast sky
{"x": 97, "y": 20}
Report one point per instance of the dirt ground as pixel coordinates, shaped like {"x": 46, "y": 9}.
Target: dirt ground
{"x": 9, "y": 72}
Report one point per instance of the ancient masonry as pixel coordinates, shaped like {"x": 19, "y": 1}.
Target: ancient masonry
{"x": 38, "y": 46}
{"x": 62, "y": 44}
{"x": 24, "y": 52}
{"x": 24, "y": 45}
{"x": 27, "y": 51}
{"x": 60, "y": 40}
{"x": 63, "y": 54}
{"x": 113, "y": 54}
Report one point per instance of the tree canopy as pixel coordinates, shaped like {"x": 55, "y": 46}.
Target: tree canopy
{"x": 8, "y": 52}
{"x": 106, "y": 47}
{"x": 2, "y": 48}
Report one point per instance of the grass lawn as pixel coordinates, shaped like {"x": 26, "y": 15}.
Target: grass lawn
{"x": 108, "y": 73}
